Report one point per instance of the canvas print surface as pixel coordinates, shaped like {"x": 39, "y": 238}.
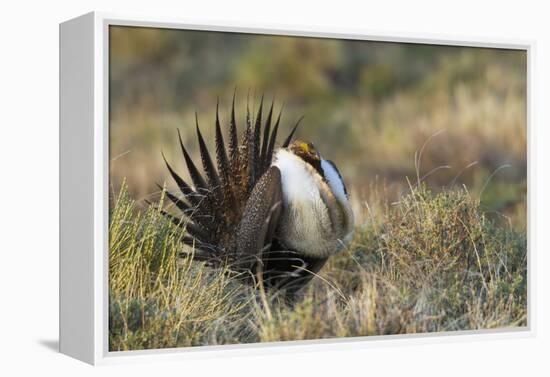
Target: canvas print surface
{"x": 272, "y": 188}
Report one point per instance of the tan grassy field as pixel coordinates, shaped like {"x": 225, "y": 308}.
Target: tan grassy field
{"x": 432, "y": 262}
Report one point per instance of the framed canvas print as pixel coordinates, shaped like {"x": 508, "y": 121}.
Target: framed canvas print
{"x": 234, "y": 189}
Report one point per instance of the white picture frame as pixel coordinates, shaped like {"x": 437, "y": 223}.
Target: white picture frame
{"x": 84, "y": 192}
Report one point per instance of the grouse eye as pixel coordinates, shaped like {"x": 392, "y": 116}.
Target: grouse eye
{"x": 312, "y": 151}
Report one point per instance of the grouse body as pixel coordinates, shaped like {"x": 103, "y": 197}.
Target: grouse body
{"x": 273, "y": 213}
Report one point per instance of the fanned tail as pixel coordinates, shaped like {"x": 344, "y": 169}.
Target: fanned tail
{"x": 213, "y": 205}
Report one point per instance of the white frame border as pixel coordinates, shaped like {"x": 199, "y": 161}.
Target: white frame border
{"x": 102, "y": 21}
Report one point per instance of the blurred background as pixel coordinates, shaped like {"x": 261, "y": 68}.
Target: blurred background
{"x": 368, "y": 106}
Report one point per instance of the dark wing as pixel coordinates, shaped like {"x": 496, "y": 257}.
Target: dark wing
{"x": 259, "y": 220}
{"x": 289, "y": 270}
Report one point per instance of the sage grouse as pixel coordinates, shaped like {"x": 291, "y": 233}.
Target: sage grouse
{"x": 273, "y": 214}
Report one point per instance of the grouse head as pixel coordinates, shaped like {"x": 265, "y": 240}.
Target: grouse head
{"x": 307, "y": 152}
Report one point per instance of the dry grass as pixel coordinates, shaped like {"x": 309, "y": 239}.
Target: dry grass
{"x": 157, "y": 300}
{"x": 432, "y": 262}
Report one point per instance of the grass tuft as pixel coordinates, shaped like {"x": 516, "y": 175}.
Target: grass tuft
{"x": 431, "y": 262}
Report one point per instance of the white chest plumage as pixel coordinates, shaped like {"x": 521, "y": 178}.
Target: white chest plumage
{"x": 316, "y": 219}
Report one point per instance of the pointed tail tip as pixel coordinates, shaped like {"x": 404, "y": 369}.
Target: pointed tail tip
{"x": 291, "y": 135}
